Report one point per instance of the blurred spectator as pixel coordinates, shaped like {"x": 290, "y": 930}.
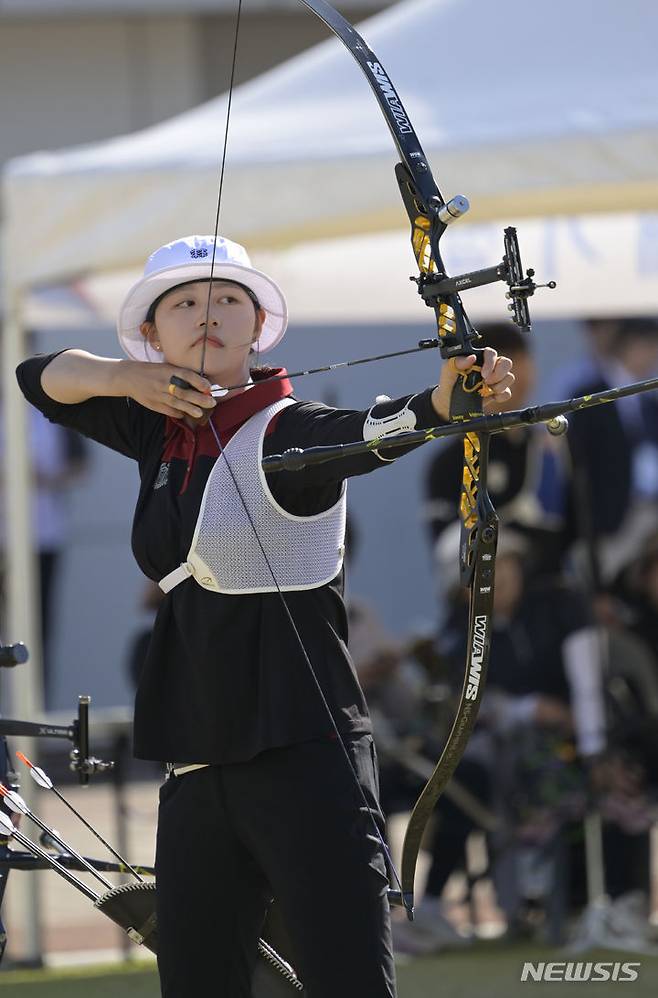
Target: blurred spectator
{"x": 529, "y": 470}
{"x": 59, "y": 459}
{"x": 544, "y": 647}
{"x": 599, "y": 337}
{"x": 638, "y": 587}
{"x": 543, "y": 722}
{"x": 543, "y": 707}
{"x": 456, "y": 817}
{"x": 633, "y": 663}
{"x": 615, "y": 455}
{"x": 391, "y": 681}
{"x": 396, "y": 677}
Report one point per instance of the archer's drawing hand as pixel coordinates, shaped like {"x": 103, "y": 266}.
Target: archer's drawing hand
{"x": 149, "y": 384}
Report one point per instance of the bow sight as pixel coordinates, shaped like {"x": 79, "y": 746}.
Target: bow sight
{"x": 77, "y": 732}
{"x": 433, "y": 287}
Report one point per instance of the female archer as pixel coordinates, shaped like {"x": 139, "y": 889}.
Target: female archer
{"x": 247, "y": 693}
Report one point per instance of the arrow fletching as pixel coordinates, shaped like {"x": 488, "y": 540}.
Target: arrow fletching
{"x": 36, "y": 773}
{"x": 44, "y": 781}
{"x": 6, "y": 826}
{"x": 13, "y": 800}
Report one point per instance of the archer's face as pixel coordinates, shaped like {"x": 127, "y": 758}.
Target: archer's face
{"x": 233, "y": 328}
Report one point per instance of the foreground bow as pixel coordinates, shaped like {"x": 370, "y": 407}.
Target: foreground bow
{"x": 430, "y": 214}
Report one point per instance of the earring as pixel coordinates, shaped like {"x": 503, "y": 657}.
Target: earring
{"x": 156, "y": 346}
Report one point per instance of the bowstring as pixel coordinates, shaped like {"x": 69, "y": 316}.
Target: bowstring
{"x": 222, "y": 453}
{"x": 221, "y": 184}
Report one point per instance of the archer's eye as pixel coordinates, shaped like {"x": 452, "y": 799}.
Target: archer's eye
{"x": 227, "y": 299}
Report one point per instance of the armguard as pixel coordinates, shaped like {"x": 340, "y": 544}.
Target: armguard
{"x": 388, "y": 425}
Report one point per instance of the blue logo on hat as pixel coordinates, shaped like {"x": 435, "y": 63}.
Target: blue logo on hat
{"x": 198, "y": 254}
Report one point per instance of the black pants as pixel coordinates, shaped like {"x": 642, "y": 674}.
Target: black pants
{"x": 287, "y": 824}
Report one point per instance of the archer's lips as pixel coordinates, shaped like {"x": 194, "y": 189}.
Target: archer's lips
{"x": 210, "y": 340}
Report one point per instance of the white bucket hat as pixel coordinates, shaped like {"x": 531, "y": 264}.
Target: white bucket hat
{"x": 191, "y": 259}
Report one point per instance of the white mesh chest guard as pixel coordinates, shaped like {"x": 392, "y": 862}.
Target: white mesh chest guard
{"x": 305, "y": 552}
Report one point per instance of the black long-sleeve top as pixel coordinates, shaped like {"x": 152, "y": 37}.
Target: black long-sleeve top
{"x": 225, "y": 677}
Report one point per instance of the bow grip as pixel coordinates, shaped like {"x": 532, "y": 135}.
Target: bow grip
{"x": 466, "y": 397}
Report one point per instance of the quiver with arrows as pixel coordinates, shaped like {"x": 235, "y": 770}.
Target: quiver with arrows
{"x": 132, "y": 906}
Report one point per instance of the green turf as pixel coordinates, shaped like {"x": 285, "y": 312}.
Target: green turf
{"x": 489, "y": 970}
{"x": 127, "y": 981}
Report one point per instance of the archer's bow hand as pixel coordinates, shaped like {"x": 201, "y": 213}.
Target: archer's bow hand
{"x": 496, "y": 373}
